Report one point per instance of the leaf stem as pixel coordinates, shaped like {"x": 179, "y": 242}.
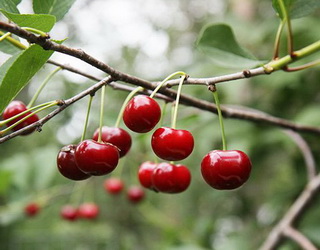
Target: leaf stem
{"x": 223, "y": 135}
{"x": 103, "y": 92}
{"x": 175, "y": 112}
{"x": 286, "y": 18}
{"x": 36, "y": 31}
{"x": 36, "y": 95}
{"x": 277, "y": 41}
{"x": 128, "y": 98}
{"x": 87, "y": 118}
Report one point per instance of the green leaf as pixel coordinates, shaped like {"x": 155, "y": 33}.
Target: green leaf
{"x": 10, "y": 5}
{"x": 18, "y": 70}
{"x": 57, "y": 8}
{"x": 218, "y": 41}
{"x": 5, "y": 180}
{"x": 297, "y": 8}
{"x": 37, "y": 21}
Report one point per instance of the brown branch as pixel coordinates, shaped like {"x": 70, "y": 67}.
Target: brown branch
{"x": 299, "y": 238}
{"x": 293, "y": 215}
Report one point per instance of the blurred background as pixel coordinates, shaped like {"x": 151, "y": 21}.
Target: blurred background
{"x": 151, "y": 39}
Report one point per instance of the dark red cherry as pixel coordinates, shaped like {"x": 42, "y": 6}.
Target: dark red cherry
{"x": 116, "y": 136}
{"x": 227, "y": 169}
{"x": 113, "y": 185}
{"x": 172, "y": 144}
{"x": 14, "y": 108}
{"x": 145, "y": 174}
{"x": 32, "y": 209}
{"x": 170, "y": 178}
{"x": 67, "y": 165}
{"x": 141, "y": 114}
{"x": 135, "y": 194}
{"x": 95, "y": 158}
{"x": 69, "y": 212}
{"x": 88, "y": 210}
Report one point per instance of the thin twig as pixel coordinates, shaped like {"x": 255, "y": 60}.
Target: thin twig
{"x": 299, "y": 238}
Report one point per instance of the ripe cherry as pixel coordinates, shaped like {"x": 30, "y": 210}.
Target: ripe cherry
{"x": 31, "y": 209}
{"x": 15, "y": 108}
{"x": 145, "y": 174}
{"x": 135, "y": 194}
{"x": 116, "y": 136}
{"x": 95, "y": 158}
{"x": 69, "y": 212}
{"x": 88, "y": 210}
{"x": 67, "y": 165}
{"x": 227, "y": 169}
{"x": 141, "y": 114}
{"x": 170, "y": 178}
{"x": 172, "y": 144}
{"x": 113, "y": 185}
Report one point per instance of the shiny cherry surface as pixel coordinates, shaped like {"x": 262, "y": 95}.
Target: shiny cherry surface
{"x": 69, "y": 213}
{"x": 67, "y": 164}
{"x": 141, "y": 114}
{"x": 96, "y": 158}
{"x": 172, "y": 144}
{"x": 170, "y": 178}
{"x": 113, "y": 185}
{"x": 14, "y": 108}
{"x": 31, "y": 209}
{"x": 227, "y": 169}
{"x": 116, "y": 136}
{"x": 145, "y": 174}
{"x": 88, "y": 210}
{"x": 135, "y": 194}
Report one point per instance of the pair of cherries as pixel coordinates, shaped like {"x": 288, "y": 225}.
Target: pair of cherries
{"x": 115, "y": 186}
{"x": 164, "y": 177}
{"x": 142, "y": 114}
{"x": 88, "y": 210}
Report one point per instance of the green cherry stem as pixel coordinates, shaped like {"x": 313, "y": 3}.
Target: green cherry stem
{"x": 14, "y": 42}
{"x": 164, "y": 81}
{"x": 44, "y": 83}
{"x": 288, "y": 21}
{"x": 36, "y": 31}
{"x": 277, "y": 40}
{"x": 4, "y": 36}
{"x": 131, "y": 94}
{"x": 175, "y": 112}
{"x": 87, "y": 118}
{"x": 103, "y": 93}
{"x": 223, "y": 135}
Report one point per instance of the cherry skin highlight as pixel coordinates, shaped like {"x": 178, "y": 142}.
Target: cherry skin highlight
{"x": 67, "y": 164}
{"x": 15, "y": 108}
{"x": 116, "y": 136}
{"x": 113, "y": 185}
{"x": 172, "y": 144}
{"x": 95, "y": 158}
{"x": 171, "y": 178}
{"x": 88, "y": 210}
{"x": 141, "y": 114}
{"x": 226, "y": 170}
{"x": 135, "y": 194}
{"x": 69, "y": 213}
{"x": 145, "y": 174}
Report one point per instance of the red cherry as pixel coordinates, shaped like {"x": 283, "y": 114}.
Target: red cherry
{"x": 96, "y": 158}
{"x": 116, "y": 136}
{"x": 113, "y": 185}
{"x": 227, "y": 169}
{"x": 145, "y": 174}
{"x": 67, "y": 165}
{"x": 69, "y": 212}
{"x": 135, "y": 194}
{"x": 88, "y": 210}
{"x": 170, "y": 178}
{"x": 14, "y": 108}
{"x": 172, "y": 144}
{"x": 141, "y": 114}
{"x": 31, "y": 209}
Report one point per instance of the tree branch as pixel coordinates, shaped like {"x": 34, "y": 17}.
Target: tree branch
{"x": 299, "y": 238}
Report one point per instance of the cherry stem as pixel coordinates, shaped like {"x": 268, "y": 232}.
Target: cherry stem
{"x": 14, "y": 42}
{"x": 103, "y": 93}
{"x": 175, "y": 112}
{"x": 48, "y": 78}
{"x": 288, "y": 21}
{"x": 131, "y": 94}
{"x": 4, "y": 36}
{"x": 36, "y": 31}
{"x": 277, "y": 41}
{"x": 87, "y": 118}
{"x": 39, "y": 108}
{"x": 302, "y": 67}
{"x": 223, "y": 135}
{"x": 164, "y": 81}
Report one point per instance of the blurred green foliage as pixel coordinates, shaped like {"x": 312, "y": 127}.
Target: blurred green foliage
{"x": 200, "y": 218}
